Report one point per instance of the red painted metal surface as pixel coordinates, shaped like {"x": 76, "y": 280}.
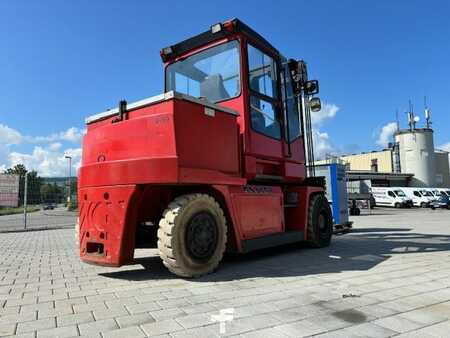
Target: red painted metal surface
{"x": 106, "y": 220}
{"x": 297, "y": 217}
{"x": 258, "y": 210}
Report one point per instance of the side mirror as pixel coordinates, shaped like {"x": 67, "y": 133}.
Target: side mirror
{"x": 315, "y": 105}
{"x": 311, "y": 87}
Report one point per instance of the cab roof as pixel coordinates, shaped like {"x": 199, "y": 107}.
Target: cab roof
{"x": 228, "y": 27}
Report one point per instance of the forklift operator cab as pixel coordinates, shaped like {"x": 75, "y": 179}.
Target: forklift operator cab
{"x": 250, "y": 76}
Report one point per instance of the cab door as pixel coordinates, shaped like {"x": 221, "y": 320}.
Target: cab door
{"x": 391, "y": 197}
{"x": 265, "y": 134}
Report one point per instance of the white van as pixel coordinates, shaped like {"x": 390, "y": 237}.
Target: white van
{"x": 419, "y": 199}
{"x": 391, "y": 197}
{"x": 435, "y": 192}
{"x": 445, "y": 191}
{"x": 427, "y": 193}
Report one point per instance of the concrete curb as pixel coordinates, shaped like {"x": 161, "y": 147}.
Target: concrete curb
{"x": 58, "y": 227}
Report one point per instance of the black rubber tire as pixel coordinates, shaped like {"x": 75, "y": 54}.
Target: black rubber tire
{"x": 423, "y": 205}
{"x": 172, "y": 235}
{"x": 319, "y": 206}
{"x": 397, "y": 205}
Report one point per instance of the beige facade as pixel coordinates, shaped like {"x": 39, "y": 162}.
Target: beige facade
{"x": 442, "y": 169}
{"x": 380, "y": 161}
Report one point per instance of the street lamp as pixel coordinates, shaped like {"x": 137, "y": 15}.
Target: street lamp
{"x": 70, "y": 175}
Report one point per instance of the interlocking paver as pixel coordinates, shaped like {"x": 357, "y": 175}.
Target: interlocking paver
{"x": 40, "y": 324}
{"x": 111, "y": 313}
{"x": 133, "y": 320}
{"x": 59, "y": 332}
{"x": 143, "y": 307}
{"x": 7, "y": 329}
{"x": 161, "y": 327}
{"x": 126, "y": 332}
{"x": 97, "y": 326}
{"x": 77, "y": 318}
{"x": 398, "y": 324}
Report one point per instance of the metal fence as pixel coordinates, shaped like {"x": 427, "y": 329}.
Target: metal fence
{"x": 29, "y": 202}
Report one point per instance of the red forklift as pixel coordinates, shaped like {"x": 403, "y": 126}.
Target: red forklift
{"x": 221, "y": 162}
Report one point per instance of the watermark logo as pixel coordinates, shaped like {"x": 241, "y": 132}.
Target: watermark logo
{"x": 225, "y": 315}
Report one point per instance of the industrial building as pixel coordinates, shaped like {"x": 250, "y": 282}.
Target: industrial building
{"x": 9, "y": 190}
{"x": 410, "y": 160}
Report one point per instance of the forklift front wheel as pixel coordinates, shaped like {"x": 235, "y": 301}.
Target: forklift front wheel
{"x": 192, "y": 235}
{"x": 320, "y": 222}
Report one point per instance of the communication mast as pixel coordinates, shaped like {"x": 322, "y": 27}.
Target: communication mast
{"x": 427, "y": 114}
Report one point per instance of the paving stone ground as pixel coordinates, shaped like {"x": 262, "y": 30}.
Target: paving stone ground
{"x": 389, "y": 277}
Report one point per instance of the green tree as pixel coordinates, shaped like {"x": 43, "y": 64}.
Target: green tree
{"x": 51, "y": 193}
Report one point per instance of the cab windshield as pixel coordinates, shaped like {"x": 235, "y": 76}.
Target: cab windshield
{"x": 212, "y": 74}
{"x": 400, "y": 193}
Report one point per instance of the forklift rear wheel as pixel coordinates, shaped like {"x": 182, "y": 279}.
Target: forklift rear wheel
{"x": 192, "y": 235}
{"x": 320, "y": 222}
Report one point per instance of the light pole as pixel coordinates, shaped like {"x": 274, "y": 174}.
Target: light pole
{"x": 70, "y": 175}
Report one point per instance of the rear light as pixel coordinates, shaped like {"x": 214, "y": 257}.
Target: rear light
{"x": 229, "y": 26}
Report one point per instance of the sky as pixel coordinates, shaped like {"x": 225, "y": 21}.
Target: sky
{"x": 61, "y": 61}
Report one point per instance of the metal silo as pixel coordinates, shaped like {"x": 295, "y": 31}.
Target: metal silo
{"x": 416, "y": 149}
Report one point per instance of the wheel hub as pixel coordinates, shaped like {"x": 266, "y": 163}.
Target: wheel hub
{"x": 201, "y": 236}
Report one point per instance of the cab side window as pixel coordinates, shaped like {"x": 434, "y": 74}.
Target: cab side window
{"x": 291, "y": 116}
{"x": 263, "y": 88}
{"x": 416, "y": 193}
{"x": 262, "y": 72}
{"x": 391, "y": 194}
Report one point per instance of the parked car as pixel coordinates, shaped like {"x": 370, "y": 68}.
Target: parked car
{"x": 443, "y": 202}
{"x": 48, "y": 206}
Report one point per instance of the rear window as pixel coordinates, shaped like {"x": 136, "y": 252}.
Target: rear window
{"x": 213, "y": 74}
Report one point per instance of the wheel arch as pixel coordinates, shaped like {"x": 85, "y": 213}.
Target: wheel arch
{"x": 167, "y": 193}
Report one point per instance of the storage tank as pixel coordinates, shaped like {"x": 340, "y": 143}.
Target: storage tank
{"x": 416, "y": 149}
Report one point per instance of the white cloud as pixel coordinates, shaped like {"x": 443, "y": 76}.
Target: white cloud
{"x": 47, "y": 156}
{"x": 47, "y": 162}
{"x": 55, "y": 146}
{"x": 327, "y": 112}
{"x": 322, "y": 142}
{"x": 322, "y": 145}
{"x": 73, "y": 134}
{"x": 9, "y": 136}
{"x": 386, "y": 134}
